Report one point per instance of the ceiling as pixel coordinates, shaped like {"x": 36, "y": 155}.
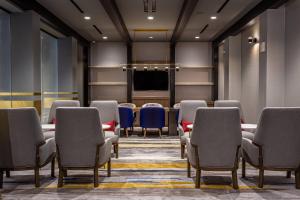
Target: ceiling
{"x": 135, "y": 19}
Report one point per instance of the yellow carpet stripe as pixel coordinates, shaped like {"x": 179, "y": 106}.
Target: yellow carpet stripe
{"x": 163, "y": 185}
{"x": 149, "y": 145}
{"x": 147, "y": 165}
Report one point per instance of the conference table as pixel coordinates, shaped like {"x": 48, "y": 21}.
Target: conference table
{"x": 51, "y": 127}
{"x": 245, "y": 127}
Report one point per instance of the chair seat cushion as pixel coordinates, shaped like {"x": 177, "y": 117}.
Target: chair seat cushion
{"x": 184, "y": 137}
{"x": 49, "y": 134}
{"x": 113, "y": 137}
{"x": 248, "y": 135}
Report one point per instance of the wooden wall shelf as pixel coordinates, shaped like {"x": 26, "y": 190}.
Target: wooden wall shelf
{"x": 107, "y": 83}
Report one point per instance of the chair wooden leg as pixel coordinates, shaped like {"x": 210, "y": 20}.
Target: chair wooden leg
{"x": 243, "y": 168}
{"x": 117, "y": 150}
{"x": 182, "y": 151}
{"x": 109, "y": 168}
{"x": 145, "y": 132}
{"x": 37, "y": 177}
{"x": 297, "y": 177}
{"x": 235, "y": 184}
{"x": 198, "y": 177}
{"x": 1, "y": 179}
{"x": 53, "y": 168}
{"x": 261, "y": 178}
{"x": 96, "y": 179}
{"x": 60, "y": 178}
{"x": 7, "y": 173}
{"x": 188, "y": 169}
{"x": 159, "y": 131}
{"x": 126, "y": 131}
{"x": 288, "y": 174}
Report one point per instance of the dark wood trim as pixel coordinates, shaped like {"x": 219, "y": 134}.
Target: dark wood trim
{"x": 215, "y": 71}
{"x": 129, "y": 73}
{"x": 172, "y": 73}
{"x": 111, "y": 8}
{"x": 56, "y": 23}
{"x": 185, "y": 14}
{"x": 254, "y": 12}
{"x": 86, "y": 78}
{"x": 5, "y": 10}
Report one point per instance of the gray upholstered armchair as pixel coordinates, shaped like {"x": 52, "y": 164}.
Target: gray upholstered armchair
{"x": 215, "y": 142}
{"x": 22, "y": 144}
{"x": 187, "y": 113}
{"x": 231, "y": 103}
{"x": 52, "y": 114}
{"x": 109, "y": 113}
{"x": 276, "y": 143}
{"x": 80, "y": 142}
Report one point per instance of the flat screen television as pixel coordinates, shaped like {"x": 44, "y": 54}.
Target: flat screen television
{"x": 150, "y": 80}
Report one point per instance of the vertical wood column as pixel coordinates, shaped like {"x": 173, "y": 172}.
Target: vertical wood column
{"x": 215, "y": 60}
{"x": 129, "y": 72}
{"x": 172, "y": 74}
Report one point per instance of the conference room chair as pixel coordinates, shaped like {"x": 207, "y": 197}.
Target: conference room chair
{"x": 215, "y": 142}
{"x": 176, "y": 107}
{"x": 109, "y": 114}
{"x": 80, "y": 142}
{"x": 22, "y": 144}
{"x": 126, "y": 118}
{"x": 152, "y": 117}
{"x": 186, "y": 116}
{"x": 52, "y": 114}
{"x": 235, "y": 103}
{"x": 276, "y": 143}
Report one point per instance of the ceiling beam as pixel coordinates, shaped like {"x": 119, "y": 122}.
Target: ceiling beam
{"x": 185, "y": 14}
{"x": 254, "y": 12}
{"x": 111, "y": 8}
{"x": 52, "y": 20}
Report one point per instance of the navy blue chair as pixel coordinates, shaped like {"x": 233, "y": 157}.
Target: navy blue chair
{"x": 126, "y": 118}
{"x": 152, "y": 117}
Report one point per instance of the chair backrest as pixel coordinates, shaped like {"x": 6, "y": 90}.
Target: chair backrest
{"x": 152, "y": 105}
{"x": 152, "y": 117}
{"x": 61, "y": 103}
{"x": 78, "y": 132}
{"x": 20, "y": 133}
{"x": 231, "y": 103}
{"x": 278, "y": 132}
{"x": 108, "y": 110}
{"x": 188, "y": 109}
{"x": 217, "y": 133}
{"x": 126, "y": 117}
{"x": 129, "y": 105}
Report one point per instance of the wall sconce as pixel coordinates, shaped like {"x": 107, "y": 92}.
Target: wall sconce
{"x": 177, "y": 69}
{"x": 145, "y": 68}
{"x": 166, "y": 69}
{"x": 252, "y": 40}
{"x": 124, "y": 69}
{"x": 155, "y": 68}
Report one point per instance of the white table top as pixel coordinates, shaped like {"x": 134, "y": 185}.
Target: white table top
{"x": 246, "y": 127}
{"x": 48, "y": 127}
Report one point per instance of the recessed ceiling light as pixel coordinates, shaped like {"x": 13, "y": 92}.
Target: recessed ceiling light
{"x": 104, "y": 37}
{"x": 150, "y": 17}
{"x": 151, "y": 37}
{"x": 197, "y": 37}
{"x": 213, "y": 17}
{"x": 87, "y": 17}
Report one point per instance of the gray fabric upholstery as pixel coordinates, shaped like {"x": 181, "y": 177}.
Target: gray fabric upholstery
{"x": 61, "y": 103}
{"x": 113, "y": 137}
{"x": 20, "y": 133}
{"x": 151, "y": 105}
{"x": 187, "y": 112}
{"x": 78, "y": 132}
{"x": 217, "y": 134}
{"x": 248, "y": 135}
{"x": 108, "y": 111}
{"x": 278, "y": 132}
{"x": 230, "y": 103}
{"x": 176, "y": 106}
{"x": 251, "y": 150}
{"x": 49, "y": 134}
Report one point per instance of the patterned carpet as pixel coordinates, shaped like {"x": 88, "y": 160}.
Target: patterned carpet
{"x": 148, "y": 168}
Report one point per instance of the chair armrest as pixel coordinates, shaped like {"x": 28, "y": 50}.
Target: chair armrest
{"x": 105, "y": 151}
{"x": 46, "y": 150}
{"x": 190, "y": 149}
{"x": 117, "y": 130}
{"x": 251, "y": 150}
{"x": 180, "y": 130}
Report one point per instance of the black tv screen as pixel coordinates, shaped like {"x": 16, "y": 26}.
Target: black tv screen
{"x": 150, "y": 80}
